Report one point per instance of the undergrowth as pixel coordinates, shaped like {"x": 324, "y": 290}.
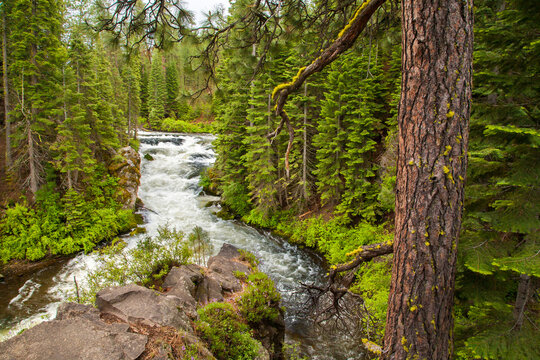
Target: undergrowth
{"x": 63, "y": 224}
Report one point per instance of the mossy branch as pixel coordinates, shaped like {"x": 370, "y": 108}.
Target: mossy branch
{"x": 345, "y": 40}
{"x": 362, "y": 254}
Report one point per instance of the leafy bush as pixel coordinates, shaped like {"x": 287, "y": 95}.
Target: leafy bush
{"x": 149, "y": 260}
{"x": 260, "y": 300}
{"x": 228, "y": 338}
{"x": 249, "y": 257}
{"x": 373, "y": 284}
{"x": 334, "y": 238}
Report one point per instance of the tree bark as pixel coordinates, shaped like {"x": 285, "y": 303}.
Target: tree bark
{"x": 304, "y": 150}
{"x": 522, "y": 298}
{"x": 6, "y": 89}
{"x": 432, "y": 159}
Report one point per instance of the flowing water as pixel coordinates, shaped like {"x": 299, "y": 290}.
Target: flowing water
{"x": 172, "y": 196}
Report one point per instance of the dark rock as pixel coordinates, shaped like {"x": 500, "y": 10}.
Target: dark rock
{"x": 208, "y": 291}
{"x": 182, "y": 283}
{"x": 133, "y": 304}
{"x": 74, "y": 338}
{"x": 229, "y": 251}
{"x": 223, "y": 267}
{"x": 148, "y": 157}
{"x": 272, "y": 335}
{"x": 178, "y": 275}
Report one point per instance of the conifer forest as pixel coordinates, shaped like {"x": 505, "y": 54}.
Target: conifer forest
{"x": 399, "y": 141}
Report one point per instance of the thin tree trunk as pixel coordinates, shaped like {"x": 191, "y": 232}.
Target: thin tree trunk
{"x": 33, "y": 111}
{"x": 6, "y": 89}
{"x": 304, "y": 152}
{"x": 522, "y": 298}
{"x": 64, "y": 107}
{"x": 433, "y": 137}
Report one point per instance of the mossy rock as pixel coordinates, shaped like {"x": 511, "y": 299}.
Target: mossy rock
{"x": 138, "y": 230}
{"x": 148, "y": 157}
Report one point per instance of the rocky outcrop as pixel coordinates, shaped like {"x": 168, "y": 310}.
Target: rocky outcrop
{"x": 134, "y": 322}
{"x": 125, "y": 166}
{"x": 77, "y": 333}
{"x": 136, "y": 304}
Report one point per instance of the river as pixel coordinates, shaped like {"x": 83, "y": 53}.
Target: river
{"x": 172, "y": 196}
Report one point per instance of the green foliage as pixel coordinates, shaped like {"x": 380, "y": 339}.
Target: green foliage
{"x": 170, "y": 124}
{"x": 373, "y": 284}
{"x": 149, "y": 260}
{"x": 62, "y": 225}
{"x": 199, "y": 241}
{"x": 334, "y": 238}
{"x": 227, "y": 336}
{"x": 249, "y": 257}
{"x": 235, "y": 196}
{"x": 157, "y": 91}
{"x": 260, "y": 300}
{"x": 499, "y": 239}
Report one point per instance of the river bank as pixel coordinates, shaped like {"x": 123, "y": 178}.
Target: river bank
{"x": 171, "y": 193}
{"x": 133, "y": 322}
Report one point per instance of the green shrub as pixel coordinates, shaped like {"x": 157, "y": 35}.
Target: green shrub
{"x": 236, "y": 197}
{"x": 149, "y": 260}
{"x": 249, "y": 257}
{"x": 228, "y": 338}
{"x": 260, "y": 300}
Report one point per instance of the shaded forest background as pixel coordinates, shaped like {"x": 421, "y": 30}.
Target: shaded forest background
{"x": 76, "y": 96}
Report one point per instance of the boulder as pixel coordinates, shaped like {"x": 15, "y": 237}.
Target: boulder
{"x": 224, "y": 265}
{"x": 73, "y": 310}
{"x": 208, "y": 291}
{"x": 182, "y": 283}
{"x": 76, "y": 338}
{"x": 133, "y": 303}
{"x": 272, "y": 335}
{"x": 125, "y": 165}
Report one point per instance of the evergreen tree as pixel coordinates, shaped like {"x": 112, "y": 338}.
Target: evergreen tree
{"x": 500, "y": 239}
{"x": 131, "y": 75}
{"x": 143, "y": 94}
{"x": 38, "y": 56}
{"x": 171, "y": 77}
{"x": 157, "y": 91}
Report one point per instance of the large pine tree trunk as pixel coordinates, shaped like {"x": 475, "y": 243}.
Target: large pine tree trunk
{"x": 433, "y": 136}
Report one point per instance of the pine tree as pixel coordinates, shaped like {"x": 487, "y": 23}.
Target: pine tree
{"x": 38, "y": 56}
{"x": 171, "y": 78}
{"x": 143, "y": 94}
{"x": 157, "y": 91}
{"x": 500, "y": 240}
{"x": 131, "y": 75}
